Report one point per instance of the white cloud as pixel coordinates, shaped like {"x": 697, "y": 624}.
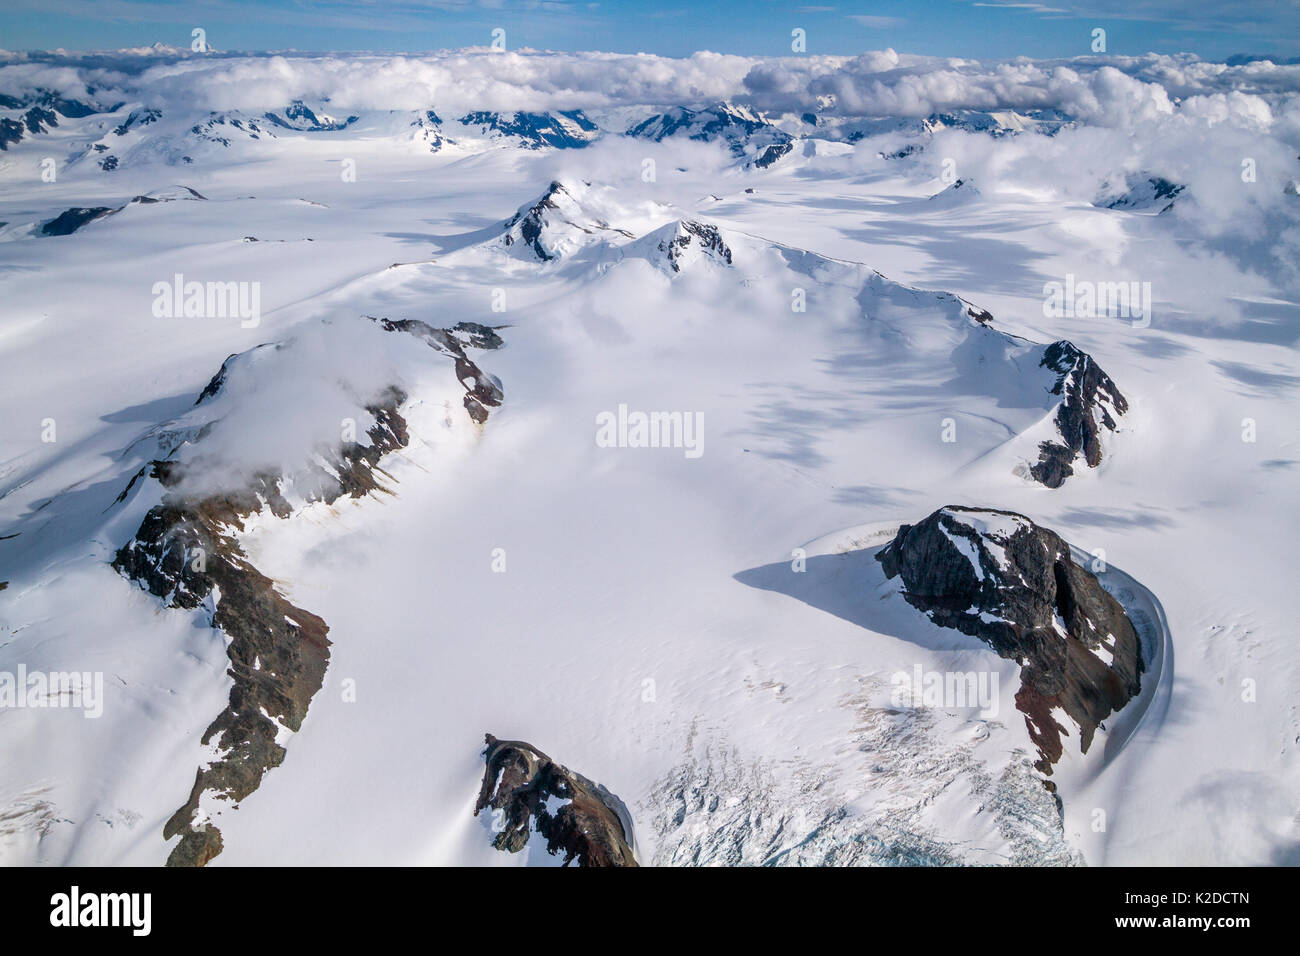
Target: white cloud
{"x": 877, "y": 23}
{"x": 1114, "y": 91}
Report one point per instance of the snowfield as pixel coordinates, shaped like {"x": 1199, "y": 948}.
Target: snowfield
{"x": 837, "y": 342}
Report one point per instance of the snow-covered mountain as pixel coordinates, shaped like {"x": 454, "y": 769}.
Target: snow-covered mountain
{"x": 819, "y": 481}
{"x": 744, "y": 132}
{"x": 753, "y": 138}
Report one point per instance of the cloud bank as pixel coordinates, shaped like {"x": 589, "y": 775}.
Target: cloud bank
{"x": 1110, "y": 91}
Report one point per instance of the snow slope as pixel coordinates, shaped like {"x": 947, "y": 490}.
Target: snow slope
{"x": 635, "y": 612}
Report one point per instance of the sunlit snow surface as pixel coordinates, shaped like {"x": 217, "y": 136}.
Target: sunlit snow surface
{"x": 649, "y": 630}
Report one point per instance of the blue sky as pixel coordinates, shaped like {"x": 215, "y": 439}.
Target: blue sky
{"x": 975, "y": 28}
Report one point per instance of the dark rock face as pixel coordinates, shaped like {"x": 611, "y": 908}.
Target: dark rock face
{"x": 532, "y": 221}
{"x": 43, "y": 111}
{"x": 35, "y": 120}
{"x": 185, "y": 549}
{"x": 429, "y": 126}
{"x": 999, "y": 577}
{"x": 218, "y": 125}
{"x": 75, "y": 109}
{"x": 902, "y": 153}
{"x": 299, "y": 116}
{"x": 1149, "y": 193}
{"x": 11, "y": 131}
{"x": 1047, "y": 121}
{"x": 542, "y": 225}
{"x": 38, "y": 120}
{"x": 1054, "y": 464}
{"x": 482, "y": 391}
{"x": 741, "y": 130}
{"x": 704, "y": 235}
{"x": 70, "y": 220}
{"x": 772, "y": 154}
{"x": 574, "y": 815}
{"x": 186, "y": 553}
{"x": 538, "y": 130}
{"x": 137, "y": 119}
{"x": 1089, "y": 402}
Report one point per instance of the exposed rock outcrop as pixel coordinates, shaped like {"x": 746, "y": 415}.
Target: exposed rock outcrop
{"x": 137, "y": 119}
{"x": 676, "y": 246}
{"x": 772, "y": 153}
{"x": 743, "y": 131}
{"x": 565, "y": 129}
{"x": 999, "y": 577}
{"x": 70, "y": 220}
{"x": 187, "y": 553}
{"x": 576, "y": 817}
{"x": 482, "y": 391}
{"x": 428, "y": 128}
{"x": 299, "y": 116}
{"x": 1090, "y": 402}
{"x": 554, "y": 224}
{"x": 43, "y": 111}
{"x": 1143, "y": 193}
{"x": 220, "y": 127}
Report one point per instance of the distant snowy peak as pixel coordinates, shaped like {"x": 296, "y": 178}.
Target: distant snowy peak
{"x": 719, "y": 122}
{"x": 38, "y": 113}
{"x": 998, "y": 123}
{"x": 997, "y": 576}
{"x": 428, "y": 129}
{"x": 70, "y": 108}
{"x": 1142, "y": 193}
{"x": 556, "y": 224}
{"x": 958, "y": 192}
{"x": 137, "y": 119}
{"x": 34, "y": 121}
{"x": 744, "y": 132}
{"x": 566, "y": 129}
{"x": 913, "y": 136}
{"x": 223, "y": 127}
{"x": 683, "y": 245}
{"x": 298, "y": 116}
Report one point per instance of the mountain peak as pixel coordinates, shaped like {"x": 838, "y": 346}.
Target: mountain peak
{"x": 681, "y": 244}
{"x": 557, "y": 223}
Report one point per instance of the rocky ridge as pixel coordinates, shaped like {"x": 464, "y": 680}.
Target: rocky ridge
{"x": 997, "y": 576}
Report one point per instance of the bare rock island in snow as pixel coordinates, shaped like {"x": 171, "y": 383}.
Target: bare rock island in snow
{"x": 1090, "y": 402}
{"x": 575, "y": 816}
{"x": 1003, "y": 579}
